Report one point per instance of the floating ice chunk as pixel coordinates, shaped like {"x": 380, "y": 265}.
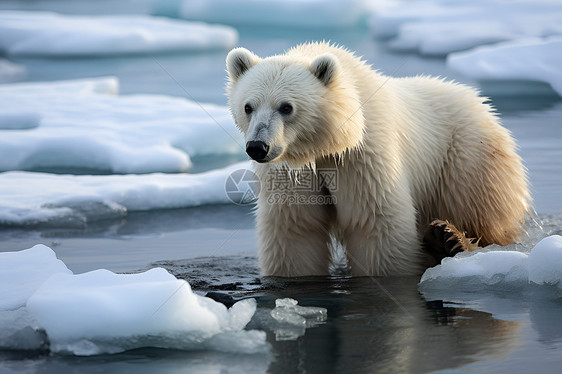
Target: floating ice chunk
{"x": 85, "y": 125}
{"x": 498, "y": 269}
{"x": 10, "y": 71}
{"x": 483, "y": 268}
{"x": 103, "y": 312}
{"x": 40, "y": 198}
{"x": 438, "y": 27}
{"x": 296, "y": 13}
{"x": 529, "y": 59}
{"x": 51, "y": 34}
{"x": 22, "y": 272}
{"x": 545, "y": 261}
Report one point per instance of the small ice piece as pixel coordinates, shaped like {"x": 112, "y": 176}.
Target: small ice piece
{"x": 293, "y": 319}
{"x": 284, "y": 312}
{"x": 23, "y": 272}
{"x": 545, "y": 262}
{"x": 287, "y": 310}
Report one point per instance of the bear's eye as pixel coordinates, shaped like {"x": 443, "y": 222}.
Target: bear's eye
{"x": 248, "y": 109}
{"x": 286, "y": 108}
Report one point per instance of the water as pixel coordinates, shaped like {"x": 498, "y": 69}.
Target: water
{"x": 374, "y": 324}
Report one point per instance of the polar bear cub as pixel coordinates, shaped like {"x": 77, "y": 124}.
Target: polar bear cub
{"x": 347, "y": 155}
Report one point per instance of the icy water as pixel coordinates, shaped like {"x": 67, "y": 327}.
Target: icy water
{"x": 374, "y": 324}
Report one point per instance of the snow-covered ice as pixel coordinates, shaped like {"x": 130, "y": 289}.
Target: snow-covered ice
{"x": 499, "y": 269}
{"x": 103, "y": 312}
{"x": 29, "y": 198}
{"x": 522, "y": 60}
{"x": 288, "y": 13}
{"x": 86, "y": 124}
{"x": 52, "y": 34}
{"x": 438, "y": 27}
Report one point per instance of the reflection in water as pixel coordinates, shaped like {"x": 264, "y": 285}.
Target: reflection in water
{"x": 374, "y": 324}
{"x": 369, "y": 331}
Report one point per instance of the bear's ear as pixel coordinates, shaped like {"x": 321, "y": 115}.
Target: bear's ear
{"x": 238, "y": 61}
{"x": 324, "y": 67}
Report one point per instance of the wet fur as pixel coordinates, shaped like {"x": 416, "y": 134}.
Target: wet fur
{"x": 407, "y": 151}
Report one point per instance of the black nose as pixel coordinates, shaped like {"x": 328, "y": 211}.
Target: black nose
{"x": 257, "y": 150}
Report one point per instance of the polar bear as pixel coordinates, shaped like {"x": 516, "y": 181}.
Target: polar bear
{"x": 347, "y": 155}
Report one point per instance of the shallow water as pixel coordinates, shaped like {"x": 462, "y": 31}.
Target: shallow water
{"x": 374, "y": 324}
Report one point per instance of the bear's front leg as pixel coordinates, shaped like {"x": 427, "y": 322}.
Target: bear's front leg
{"x": 382, "y": 239}
{"x": 293, "y": 235}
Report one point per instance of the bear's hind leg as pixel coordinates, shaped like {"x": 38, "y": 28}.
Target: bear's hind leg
{"x": 442, "y": 239}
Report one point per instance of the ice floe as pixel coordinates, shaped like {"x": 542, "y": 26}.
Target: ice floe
{"x": 438, "y": 27}
{"x": 499, "y": 269}
{"x": 289, "y": 13}
{"x": 104, "y": 312}
{"x": 29, "y": 198}
{"x": 52, "y": 34}
{"x": 521, "y": 60}
{"x": 86, "y": 124}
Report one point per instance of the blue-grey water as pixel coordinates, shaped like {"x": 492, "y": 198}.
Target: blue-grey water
{"x": 374, "y": 325}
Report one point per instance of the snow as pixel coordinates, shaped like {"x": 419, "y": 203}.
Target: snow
{"x": 10, "y": 71}
{"x": 438, "y": 27}
{"x": 86, "y": 124}
{"x": 288, "y": 13}
{"x": 28, "y": 198}
{"x": 51, "y": 34}
{"x": 527, "y": 59}
{"x": 103, "y": 312}
{"x": 499, "y": 269}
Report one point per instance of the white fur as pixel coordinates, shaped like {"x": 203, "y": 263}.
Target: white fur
{"x": 407, "y": 151}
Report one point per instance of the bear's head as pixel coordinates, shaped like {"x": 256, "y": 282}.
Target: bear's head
{"x": 293, "y": 110}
